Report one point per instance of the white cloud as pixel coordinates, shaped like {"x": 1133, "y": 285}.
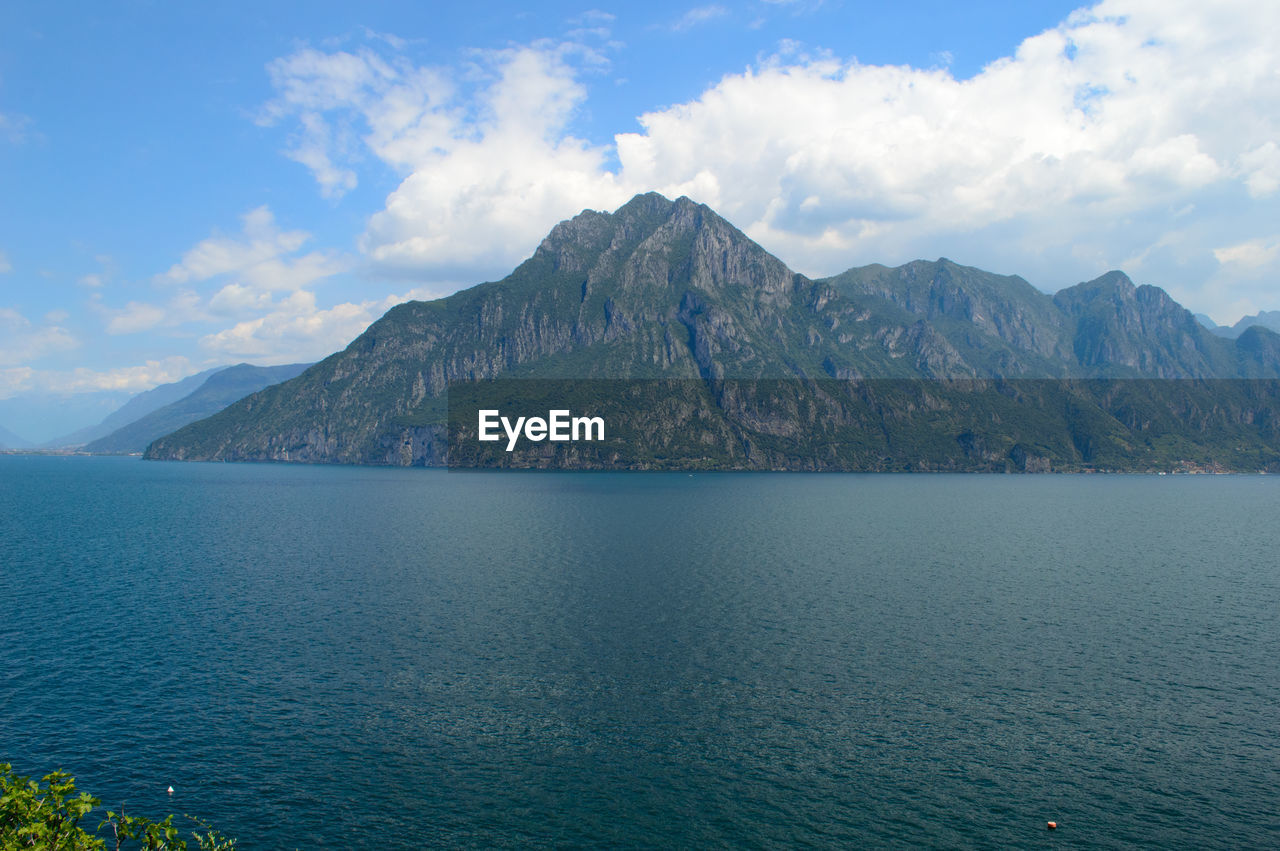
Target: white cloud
{"x": 5, "y": 265}
{"x": 699, "y": 15}
{"x": 99, "y": 279}
{"x": 15, "y": 380}
{"x": 487, "y": 158}
{"x": 489, "y": 194}
{"x": 236, "y": 299}
{"x": 294, "y": 328}
{"x": 22, "y": 342}
{"x": 593, "y": 17}
{"x": 15, "y": 128}
{"x": 259, "y": 280}
{"x": 1261, "y": 169}
{"x": 258, "y": 257}
{"x": 1105, "y": 113}
{"x": 134, "y": 317}
{"x": 797, "y": 6}
{"x": 1253, "y": 254}
{"x": 183, "y": 307}
{"x": 131, "y": 379}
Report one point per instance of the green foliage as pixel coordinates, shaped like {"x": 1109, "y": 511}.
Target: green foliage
{"x": 46, "y": 815}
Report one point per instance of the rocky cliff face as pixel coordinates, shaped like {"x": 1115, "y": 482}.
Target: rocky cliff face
{"x": 1123, "y": 330}
{"x": 1003, "y": 316}
{"x": 670, "y": 289}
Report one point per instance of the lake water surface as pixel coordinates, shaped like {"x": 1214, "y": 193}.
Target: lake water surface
{"x": 354, "y": 657}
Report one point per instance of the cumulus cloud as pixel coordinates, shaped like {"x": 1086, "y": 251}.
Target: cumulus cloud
{"x": 183, "y": 307}
{"x": 1260, "y": 168}
{"x": 259, "y": 257}
{"x": 1075, "y": 150}
{"x": 255, "y": 278}
{"x": 15, "y": 380}
{"x": 236, "y": 299}
{"x": 130, "y": 379}
{"x": 246, "y": 296}
{"x": 22, "y": 341}
{"x": 1253, "y": 254}
{"x": 486, "y": 155}
{"x": 295, "y": 328}
{"x": 134, "y": 317}
{"x": 1110, "y": 112}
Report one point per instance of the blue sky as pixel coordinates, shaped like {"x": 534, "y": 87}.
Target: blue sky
{"x": 187, "y": 185}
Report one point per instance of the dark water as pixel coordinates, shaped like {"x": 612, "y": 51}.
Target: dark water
{"x": 336, "y": 657}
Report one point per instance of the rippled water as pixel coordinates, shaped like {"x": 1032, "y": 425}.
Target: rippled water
{"x": 345, "y": 657}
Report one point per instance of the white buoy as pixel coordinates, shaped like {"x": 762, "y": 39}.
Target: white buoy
{"x": 170, "y": 790}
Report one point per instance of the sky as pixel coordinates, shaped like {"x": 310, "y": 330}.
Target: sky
{"x": 189, "y": 185}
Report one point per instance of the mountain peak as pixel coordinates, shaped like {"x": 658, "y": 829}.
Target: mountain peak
{"x": 1114, "y": 281}
{"x": 1114, "y": 287}
{"x": 1132, "y": 330}
{"x": 647, "y": 204}
{"x": 653, "y": 240}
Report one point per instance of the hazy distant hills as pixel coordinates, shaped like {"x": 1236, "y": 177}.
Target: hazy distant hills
{"x": 137, "y": 407}
{"x": 663, "y": 289}
{"x": 205, "y": 393}
{"x": 1269, "y": 319}
{"x": 9, "y": 440}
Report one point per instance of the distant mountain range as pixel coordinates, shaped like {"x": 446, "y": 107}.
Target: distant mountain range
{"x": 9, "y": 440}
{"x": 162, "y": 409}
{"x": 670, "y": 290}
{"x": 1269, "y": 319}
{"x": 134, "y": 409}
{"x": 167, "y": 408}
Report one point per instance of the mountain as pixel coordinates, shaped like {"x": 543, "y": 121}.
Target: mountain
{"x": 670, "y": 290}
{"x": 9, "y": 440}
{"x": 997, "y": 324}
{"x": 1269, "y": 319}
{"x": 1126, "y": 331}
{"x": 134, "y": 409}
{"x": 217, "y": 389}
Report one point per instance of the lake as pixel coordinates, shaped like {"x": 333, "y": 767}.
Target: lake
{"x": 403, "y": 658}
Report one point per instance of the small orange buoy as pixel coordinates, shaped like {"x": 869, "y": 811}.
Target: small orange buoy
{"x": 1053, "y": 825}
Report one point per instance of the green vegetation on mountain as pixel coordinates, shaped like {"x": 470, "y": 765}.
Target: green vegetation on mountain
{"x": 670, "y": 290}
